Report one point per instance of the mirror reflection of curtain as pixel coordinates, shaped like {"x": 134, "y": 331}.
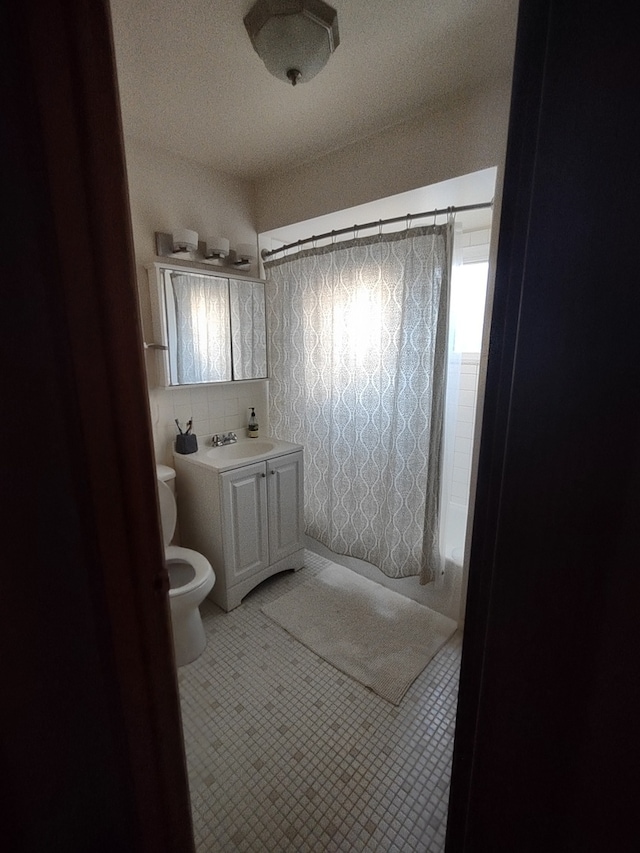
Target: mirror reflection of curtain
{"x": 248, "y": 329}
{"x": 202, "y": 321}
{"x": 358, "y": 342}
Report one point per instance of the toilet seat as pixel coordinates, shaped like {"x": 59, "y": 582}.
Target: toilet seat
{"x": 203, "y": 573}
{"x": 201, "y": 567}
{"x": 189, "y": 638}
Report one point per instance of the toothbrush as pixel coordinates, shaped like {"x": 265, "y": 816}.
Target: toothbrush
{"x": 189, "y": 423}
{"x": 178, "y": 425}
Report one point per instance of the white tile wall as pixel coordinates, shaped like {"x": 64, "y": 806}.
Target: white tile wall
{"x": 475, "y": 245}
{"x": 214, "y": 408}
{"x": 463, "y": 446}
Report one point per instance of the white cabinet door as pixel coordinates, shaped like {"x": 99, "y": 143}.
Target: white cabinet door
{"x": 285, "y": 488}
{"x": 244, "y": 521}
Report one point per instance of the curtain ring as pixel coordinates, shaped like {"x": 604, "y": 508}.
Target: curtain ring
{"x": 333, "y": 238}
{"x": 407, "y": 223}
{"x": 355, "y": 232}
{"x": 380, "y": 228}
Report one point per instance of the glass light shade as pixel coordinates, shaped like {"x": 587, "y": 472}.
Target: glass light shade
{"x": 245, "y": 252}
{"x": 185, "y": 240}
{"x": 294, "y": 38}
{"x": 294, "y": 42}
{"x": 217, "y": 247}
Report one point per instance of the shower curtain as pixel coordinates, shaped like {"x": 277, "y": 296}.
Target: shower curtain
{"x": 358, "y": 340}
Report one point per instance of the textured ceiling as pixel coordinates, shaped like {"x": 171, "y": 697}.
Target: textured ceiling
{"x": 191, "y": 83}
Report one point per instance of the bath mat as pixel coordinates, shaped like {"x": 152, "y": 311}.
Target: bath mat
{"x": 379, "y": 637}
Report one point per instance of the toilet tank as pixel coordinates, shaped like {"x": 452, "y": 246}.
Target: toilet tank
{"x": 168, "y": 475}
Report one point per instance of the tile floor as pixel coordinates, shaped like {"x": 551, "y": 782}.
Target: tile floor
{"x": 285, "y": 753}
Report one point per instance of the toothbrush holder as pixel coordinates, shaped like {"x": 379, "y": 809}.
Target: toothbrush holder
{"x": 186, "y": 443}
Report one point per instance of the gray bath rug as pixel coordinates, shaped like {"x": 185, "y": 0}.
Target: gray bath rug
{"x": 382, "y": 639}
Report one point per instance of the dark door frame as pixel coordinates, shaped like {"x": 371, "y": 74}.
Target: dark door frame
{"x": 93, "y": 755}
{"x": 546, "y": 747}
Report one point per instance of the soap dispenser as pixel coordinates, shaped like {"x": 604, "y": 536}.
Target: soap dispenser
{"x": 252, "y": 426}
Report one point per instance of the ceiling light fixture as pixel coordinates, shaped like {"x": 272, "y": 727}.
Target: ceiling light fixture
{"x": 294, "y": 38}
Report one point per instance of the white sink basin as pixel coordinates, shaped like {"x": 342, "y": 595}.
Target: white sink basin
{"x": 245, "y": 451}
{"x": 242, "y": 450}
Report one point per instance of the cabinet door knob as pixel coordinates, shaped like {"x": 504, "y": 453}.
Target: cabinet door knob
{"x": 263, "y": 475}
{"x": 273, "y": 472}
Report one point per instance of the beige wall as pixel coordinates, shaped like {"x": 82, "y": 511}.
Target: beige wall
{"x": 167, "y": 192}
{"x": 452, "y": 138}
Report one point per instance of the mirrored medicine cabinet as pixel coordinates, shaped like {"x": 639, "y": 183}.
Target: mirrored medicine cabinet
{"x": 207, "y": 327}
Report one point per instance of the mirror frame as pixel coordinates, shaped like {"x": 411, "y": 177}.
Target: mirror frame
{"x": 163, "y": 321}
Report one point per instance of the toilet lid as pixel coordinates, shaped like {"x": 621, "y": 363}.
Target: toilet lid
{"x": 168, "y": 512}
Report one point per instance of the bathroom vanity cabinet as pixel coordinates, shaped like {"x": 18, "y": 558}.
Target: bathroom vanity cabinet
{"x": 246, "y": 519}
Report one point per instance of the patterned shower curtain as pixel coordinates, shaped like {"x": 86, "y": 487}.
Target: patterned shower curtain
{"x": 358, "y": 340}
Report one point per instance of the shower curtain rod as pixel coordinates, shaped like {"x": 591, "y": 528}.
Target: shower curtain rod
{"x": 266, "y": 253}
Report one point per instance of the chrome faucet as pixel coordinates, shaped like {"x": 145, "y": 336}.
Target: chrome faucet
{"x": 225, "y": 438}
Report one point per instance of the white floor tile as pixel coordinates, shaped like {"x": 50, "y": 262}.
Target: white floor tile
{"x": 285, "y": 753}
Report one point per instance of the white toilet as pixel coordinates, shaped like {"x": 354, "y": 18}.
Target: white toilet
{"x": 190, "y": 575}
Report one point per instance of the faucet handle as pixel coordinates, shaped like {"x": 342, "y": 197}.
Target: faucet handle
{"x": 215, "y": 439}
{"x": 233, "y": 436}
